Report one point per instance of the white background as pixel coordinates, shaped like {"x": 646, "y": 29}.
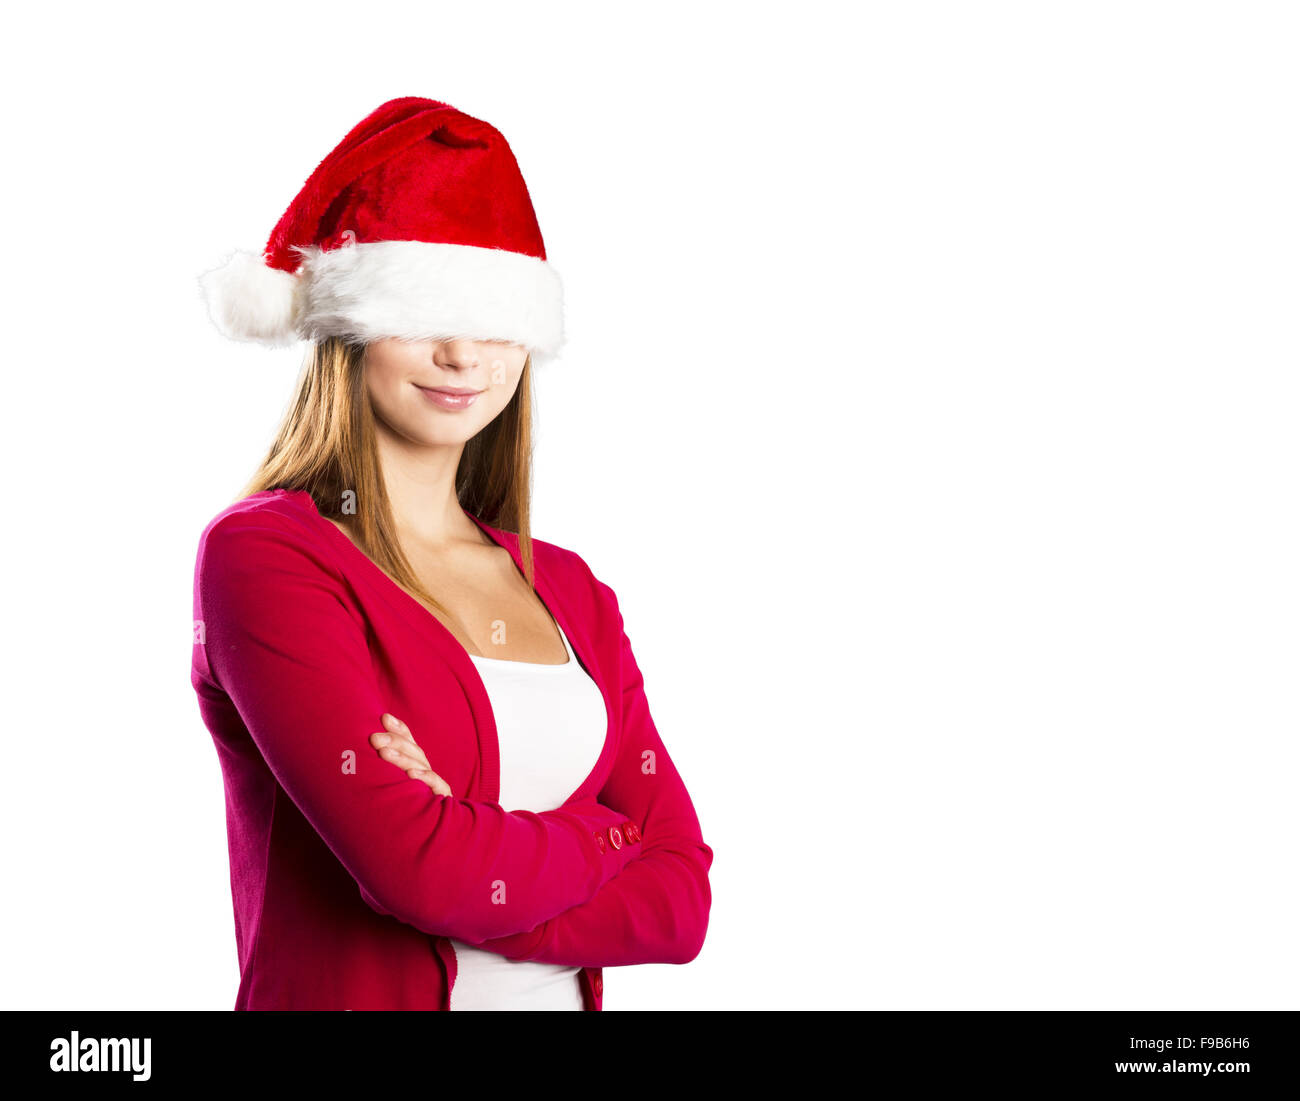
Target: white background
{"x": 929, "y": 401}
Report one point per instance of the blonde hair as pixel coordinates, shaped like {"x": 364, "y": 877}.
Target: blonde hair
{"x": 326, "y": 446}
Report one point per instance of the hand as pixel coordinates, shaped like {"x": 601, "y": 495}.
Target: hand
{"x": 396, "y": 744}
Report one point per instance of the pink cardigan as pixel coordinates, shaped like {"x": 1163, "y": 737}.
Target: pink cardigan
{"x": 348, "y": 877}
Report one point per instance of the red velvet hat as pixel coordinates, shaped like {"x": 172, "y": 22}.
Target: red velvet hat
{"x": 418, "y": 226}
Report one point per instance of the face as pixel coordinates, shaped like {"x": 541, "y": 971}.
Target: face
{"x": 441, "y": 393}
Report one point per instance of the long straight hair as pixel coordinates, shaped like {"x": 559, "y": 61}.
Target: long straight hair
{"x": 326, "y": 446}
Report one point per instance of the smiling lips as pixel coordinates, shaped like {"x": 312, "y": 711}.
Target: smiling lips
{"x": 450, "y": 397}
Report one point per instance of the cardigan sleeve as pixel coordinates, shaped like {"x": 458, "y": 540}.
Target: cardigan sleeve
{"x": 656, "y": 910}
{"x": 288, "y": 649}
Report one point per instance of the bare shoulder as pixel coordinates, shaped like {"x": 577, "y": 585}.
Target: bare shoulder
{"x": 341, "y": 526}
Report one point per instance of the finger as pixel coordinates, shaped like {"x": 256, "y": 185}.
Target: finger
{"x": 428, "y": 776}
{"x": 404, "y": 761}
{"x": 395, "y": 725}
{"x": 399, "y": 729}
{"x": 379, "y": 740}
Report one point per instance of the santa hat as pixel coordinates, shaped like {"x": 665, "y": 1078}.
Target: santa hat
{"x": 418, "y": 226}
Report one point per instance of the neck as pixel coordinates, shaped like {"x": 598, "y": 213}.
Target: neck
{"x": 421, "y": 485}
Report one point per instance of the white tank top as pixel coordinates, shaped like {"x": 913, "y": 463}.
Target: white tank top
{"x": 551, "y": 724}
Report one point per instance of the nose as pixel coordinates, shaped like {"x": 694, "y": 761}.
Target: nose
{"x": 456, "y": 355}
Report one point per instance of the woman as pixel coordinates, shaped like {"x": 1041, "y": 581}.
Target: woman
{"x": 444, "y": 788}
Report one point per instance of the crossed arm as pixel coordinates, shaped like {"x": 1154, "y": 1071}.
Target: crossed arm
{"x": 284, "y": 644}
{"x": 656, "y": 909}
{"x": 287, "y": 649}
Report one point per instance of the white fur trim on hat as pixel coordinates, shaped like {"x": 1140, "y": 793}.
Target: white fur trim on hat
{"x": 405, "y": 290}
{"x": 415, "y": 290}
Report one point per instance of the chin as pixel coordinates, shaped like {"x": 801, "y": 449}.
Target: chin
{"x": 451, "y": 434}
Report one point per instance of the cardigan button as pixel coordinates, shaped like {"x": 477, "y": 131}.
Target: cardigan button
{"x": 600, "y": 841}
{"x": 615, "y": 837}
{"x": 598, "y": 984}
{"x": 631, "y": 832}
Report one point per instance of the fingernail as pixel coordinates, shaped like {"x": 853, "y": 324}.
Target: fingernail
{"x": 382, "y": 739}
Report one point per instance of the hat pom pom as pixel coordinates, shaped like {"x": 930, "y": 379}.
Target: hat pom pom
{"x": 247, "y": 300}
